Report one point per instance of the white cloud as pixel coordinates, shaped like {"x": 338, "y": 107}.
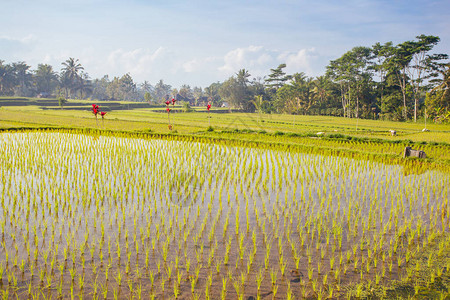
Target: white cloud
{"x": 141, "y": 63}
{"x": 251, "y": 57}
{"x": 259, "y": 60}
{"x": 24, "y": 40}
{"x": 175, "y": 68}
{"x": 138, "y": 62}
{"x": 201, "y": 64}
{"x": 14, "y": 48}
{"x": 299, "y": 61}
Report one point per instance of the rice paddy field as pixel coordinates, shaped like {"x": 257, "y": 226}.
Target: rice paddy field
{"x": 255, "y": 207}
{"x": 123, "y": 216}
{"x": 77, "y": 114}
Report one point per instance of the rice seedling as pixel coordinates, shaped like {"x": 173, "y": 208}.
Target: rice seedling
{"x": 132, "y": 208}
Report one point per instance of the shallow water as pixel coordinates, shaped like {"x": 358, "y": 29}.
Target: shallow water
{"x": 64, "y": 195}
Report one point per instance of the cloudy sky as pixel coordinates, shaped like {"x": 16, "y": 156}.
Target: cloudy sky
{"x": 201, "y": 42}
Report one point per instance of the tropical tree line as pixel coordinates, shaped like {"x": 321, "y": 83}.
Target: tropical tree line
{"x": 18, "y": 79}
{"x": 387, "y": 81}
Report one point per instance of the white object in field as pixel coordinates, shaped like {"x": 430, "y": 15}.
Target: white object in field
{"x": 425, "y": 130}
{"x": 320, "y": 133}
{"x": 393, "y": 132}
{"x": 409, "y": 152}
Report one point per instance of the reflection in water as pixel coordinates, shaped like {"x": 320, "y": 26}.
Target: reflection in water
{"x": 114, "y": 216}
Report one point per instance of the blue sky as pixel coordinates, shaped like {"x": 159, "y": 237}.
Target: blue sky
{"x": 201, "y": 42}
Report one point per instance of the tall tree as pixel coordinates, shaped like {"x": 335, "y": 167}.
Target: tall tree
{"x": 146, "y": 87}
{"x": 84, "y": 86}
{"x": 359, "y": 67}
{"x": 337, "y": 71}
{"x": 113, "y": 89}
{"x": 382, "y": 55}
{"x": 236, "y": 91}
{"x": 24, "y": 78}
{"x": 127, "y": 88}
{"x": 45, "y": 78}
{"x": 186, "y": 91}
{"x": 398, "y": 65}
{"x": 162, "y": 90}
{"x": 421, "y": 66}
{"x": 212, "y": 92}
{"x": 70, "y": 74}
{"x": 350, "y": 71}
{"x": 99, "y": 88}
{"x": 197, "y": 92}
{"x": 438, "y": 99}
{"x": 297, "y": 97}
{"x": 7, "y": 79}
{"x": 277, "y": 78}
{"x": 322, "y": 89}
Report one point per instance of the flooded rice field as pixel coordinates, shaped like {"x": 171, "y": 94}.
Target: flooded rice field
{"x": 109, "y": 217}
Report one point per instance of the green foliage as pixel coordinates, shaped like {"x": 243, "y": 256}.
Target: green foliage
{"x": 122, "y": 88}
{"x": 236, "y": 90}
{"x": 61, "y": 101}
{"x": 311, "y": 210}
{"x": 71, "y": 76}
{"x": 212, "y": 92}
{"x": 187, "y": 108}
{"x": 365, "y": 82}
{"x": 45, "y": 78}
{"x": 277, "y": 78}
{"x": 147, "y": 97}
{"x": 296, "y": 97}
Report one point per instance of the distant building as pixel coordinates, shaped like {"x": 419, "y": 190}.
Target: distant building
{"x": 44, "y": 95}
{"x": 191, "y": 101}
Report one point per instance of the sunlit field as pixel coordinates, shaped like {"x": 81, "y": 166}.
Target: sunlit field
{"x": 113, "y": 217}
{"x": 156, "y": 120}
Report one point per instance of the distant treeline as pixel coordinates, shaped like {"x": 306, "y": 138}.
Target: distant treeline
{"x": 396, "y": 82}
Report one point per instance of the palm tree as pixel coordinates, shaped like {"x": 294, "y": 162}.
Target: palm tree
{"x": 7, "y": 78}
{"x": 23, "y": 77}
{"x": 146, "y": 87}
{"x": 441, "y": 93}
{"x": 45, "y": 78}
{"x": 321, "y": 88}
{"x": 161, "y": 90}
{"x": 445, "y": 84}
{"x": 242, "y": 77}
{"x": 70, "y": 73}
{"x": 84, "y": 85}
{"x": 258, "y": 102}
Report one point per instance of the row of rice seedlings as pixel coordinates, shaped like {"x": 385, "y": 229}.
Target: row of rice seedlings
{"x": 397, "y": 147}
{"x": 127, "y": 217}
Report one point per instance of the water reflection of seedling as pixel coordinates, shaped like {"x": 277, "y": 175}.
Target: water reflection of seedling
{"x": 297, "y": 221}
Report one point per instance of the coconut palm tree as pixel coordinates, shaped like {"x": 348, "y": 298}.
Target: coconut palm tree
{"x": 321, "y": 89}
{"x": 242, "y": 77}
{"x": 445, "y": 83}
{"x": 45, "y": 78}
{"x": 7, "y": 78}
{"x": 24, "y": 78}
{"x": 146, "y": 87}
{"x": 70, "y": 74}
{"x": 84, "y": 85}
